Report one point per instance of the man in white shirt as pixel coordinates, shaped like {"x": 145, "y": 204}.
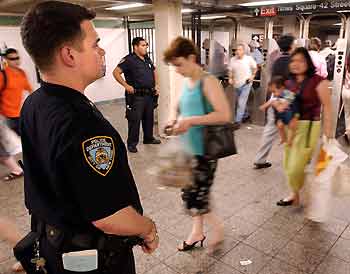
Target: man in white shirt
{"x": 318, "y": 60}
{"x": 242, "y": 70}
{"x": 327, "y": 50}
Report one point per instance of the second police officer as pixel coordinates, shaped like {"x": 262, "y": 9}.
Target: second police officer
{"x": 140, "y": 93}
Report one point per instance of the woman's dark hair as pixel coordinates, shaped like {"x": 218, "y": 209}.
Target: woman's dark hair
{"x": 48, "y": 25}
{"x": 311, "y": 69}
{"x": 285, "y": 42}
{"x": 278, "y": 81}
{"x": 180, "y": 47}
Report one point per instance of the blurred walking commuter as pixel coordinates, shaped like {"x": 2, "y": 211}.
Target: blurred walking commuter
{"x": 188, "y": 119}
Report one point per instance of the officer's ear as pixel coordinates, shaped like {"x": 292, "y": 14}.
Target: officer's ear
{"x": 67, "y": 57}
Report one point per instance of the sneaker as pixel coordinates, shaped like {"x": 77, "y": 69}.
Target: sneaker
{"x": 154, "y": 141}
{"x": 132, "y": 149}
{"x": 246, "y": 119}
{"x": 236, "y": 126}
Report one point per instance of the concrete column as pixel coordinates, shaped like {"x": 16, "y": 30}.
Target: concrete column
{"x": 290, "y": 25}
{"x": 168, "y": 25}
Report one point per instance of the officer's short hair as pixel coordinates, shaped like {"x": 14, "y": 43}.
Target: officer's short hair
{"x": 136, "y": 41}
{"x": 9, "y": 51}
{"x": 285, "y": 42}
{"x": 180, "y": 47}
{"x": 47, "y": 25}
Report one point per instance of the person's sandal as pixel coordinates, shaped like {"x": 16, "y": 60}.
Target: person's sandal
{"x": 262, "y": 165}
{"x": 12, "y": 176}
{"x": 285, "y": 203}
{"x": 187, "y": 247}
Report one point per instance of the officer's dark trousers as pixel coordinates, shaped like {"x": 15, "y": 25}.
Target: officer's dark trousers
{"x": 108, "y": 263}
{"x": 140, "y": 110}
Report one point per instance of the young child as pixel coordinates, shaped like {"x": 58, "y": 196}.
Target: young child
{"x": 285, "y": 105}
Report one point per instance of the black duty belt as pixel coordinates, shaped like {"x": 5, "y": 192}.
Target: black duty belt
{"x": 99, "y": 241}
{"x": 144, "y": 91}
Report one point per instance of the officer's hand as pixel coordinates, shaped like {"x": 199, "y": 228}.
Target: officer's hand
{"x": 150, "y": 247}
{"x": 182, "y": 126}
{"x": 130, "y": 89}
{"x": 151, "y": 241}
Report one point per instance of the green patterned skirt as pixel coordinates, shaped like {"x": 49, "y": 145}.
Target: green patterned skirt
{"x": 299, "y": 154}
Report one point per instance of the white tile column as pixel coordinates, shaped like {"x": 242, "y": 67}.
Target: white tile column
{"x": 168, "y": 25}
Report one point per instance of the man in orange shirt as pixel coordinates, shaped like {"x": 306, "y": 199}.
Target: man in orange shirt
{"x": 11, "y": 89}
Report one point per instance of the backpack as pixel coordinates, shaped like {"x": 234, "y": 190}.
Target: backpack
{"x": 330, "y": 60}
{"x": 4, "y": 81}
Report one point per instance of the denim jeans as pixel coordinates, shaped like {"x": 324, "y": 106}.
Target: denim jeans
{"x": 242, "y": 98}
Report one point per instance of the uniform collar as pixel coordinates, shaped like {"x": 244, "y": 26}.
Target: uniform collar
{"x": 63, "y": 91}
{"x": 136, "y": 56}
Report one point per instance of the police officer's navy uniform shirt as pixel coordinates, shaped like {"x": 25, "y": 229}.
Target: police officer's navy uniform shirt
{"x": 75, "y": 162}
{"x": 137, "y": 72}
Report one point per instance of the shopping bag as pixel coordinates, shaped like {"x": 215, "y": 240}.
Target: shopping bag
{"x": 9, "y": 140}
{"x": 341, "y": 180}
{"x": 319, "y": 180}
{"x": 173, "y": 166}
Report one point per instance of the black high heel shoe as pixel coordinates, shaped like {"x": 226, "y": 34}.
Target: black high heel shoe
{"x": 187, "y": 247}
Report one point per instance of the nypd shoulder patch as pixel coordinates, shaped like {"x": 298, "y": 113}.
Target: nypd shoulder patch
{"x": 99, "y": 152}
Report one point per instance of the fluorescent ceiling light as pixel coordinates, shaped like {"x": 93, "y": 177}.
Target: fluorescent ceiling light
{"x": 127, "y": 6}
{"x": 343, "y": 11}
{"x": 213, "y": 17}
{"x": 187, "y": 10}
{"x": 337, "y": 24}
{"x": 273, "y": 2}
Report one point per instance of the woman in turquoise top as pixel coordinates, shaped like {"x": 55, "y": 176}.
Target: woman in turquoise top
{"x": 188, "y": 119}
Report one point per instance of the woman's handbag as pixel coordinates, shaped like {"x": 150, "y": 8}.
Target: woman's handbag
{"x": 218, "y": 140}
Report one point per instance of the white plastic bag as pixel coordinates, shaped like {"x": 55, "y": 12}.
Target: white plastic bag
{"x": 320, "y": 186}
{"x": 173, "y": 167}
{"x": 10, "y": 141}
{"x": 341, "y": 180}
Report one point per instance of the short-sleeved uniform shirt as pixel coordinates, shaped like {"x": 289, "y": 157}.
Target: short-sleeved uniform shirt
{"x": 75, "y": 162}
{"x": 137, "y": 72}
{"x": 11, "y": 96}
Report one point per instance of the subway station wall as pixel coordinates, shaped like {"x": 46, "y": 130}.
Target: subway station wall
{"x": 113, "y": 40}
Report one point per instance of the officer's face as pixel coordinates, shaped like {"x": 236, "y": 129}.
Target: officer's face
{"x": 91, "y": 58}
{"x": 141, "y": 49}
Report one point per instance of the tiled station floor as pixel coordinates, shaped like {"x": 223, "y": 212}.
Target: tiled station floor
{"x": 275, "y": 240}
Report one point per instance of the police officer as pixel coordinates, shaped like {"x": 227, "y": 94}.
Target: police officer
{"x": 139, "y": 84}
{"x": 78, "y": 185}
